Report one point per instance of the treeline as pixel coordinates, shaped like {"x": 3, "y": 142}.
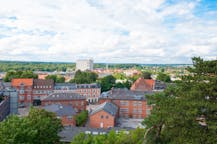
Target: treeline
{"x": 19, "y": 74}
{"x": 6, "y": 66}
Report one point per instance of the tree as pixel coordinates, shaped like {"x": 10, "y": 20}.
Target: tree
{"x": 56, "y": 78}
{"x": 81, "y": 118}
{"x": 134, "y": 137}
{"x": 146, "y": 75}
{"x": 107, "y": 83}
{"x": 19, "y": 74}
{"x": 163, "y": 77}
{"x": 84, "y": 77}
{"x": 39, "y": 127}
{"x": 186, "y": 113}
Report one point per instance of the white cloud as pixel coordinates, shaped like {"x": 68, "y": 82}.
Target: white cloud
{"x": 108, "y": 31}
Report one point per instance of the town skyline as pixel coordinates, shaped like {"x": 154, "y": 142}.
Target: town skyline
{"x": 144, "y": 32}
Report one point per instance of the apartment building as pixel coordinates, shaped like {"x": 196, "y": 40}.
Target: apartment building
{"x": 64, "y": 112}
{"x": 84, "y": 64}
{"x": 41, "y": 89}
{"x": 24, "y": 87}
{"x": 90, "y": 92}
{"x": 131, "y": 104}
{"x": 74, "y": 100}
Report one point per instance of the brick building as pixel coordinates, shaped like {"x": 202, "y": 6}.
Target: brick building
{"x": 41, "y": 89}
{"x": 75, "y": 100}
{"x": 104, "y": 116}
{"x": 90, "y": 91}
{"x": 24, "y": 87}
{"x": 131, "y": 104}
{"x": 64, "y": 112}
{"x": 145, "y": 85}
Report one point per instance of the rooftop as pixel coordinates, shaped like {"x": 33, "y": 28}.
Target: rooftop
{"x": 60, "y": 110}
{"x": 110, "y": 108}
{"x": 64, "y": 96}
{"x": 19, "y": 81}
{"x": 124, "y": 94}
{"x": 39, "y": 82}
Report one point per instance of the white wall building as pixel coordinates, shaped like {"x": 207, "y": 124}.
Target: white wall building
{"x": 84, "y": 64}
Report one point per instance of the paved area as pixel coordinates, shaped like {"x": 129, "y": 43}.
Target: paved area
{"x": 132, "y": 123}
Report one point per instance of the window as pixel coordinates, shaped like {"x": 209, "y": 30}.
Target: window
{"x": 21, "y": 97}
{"x": 69, "y": 117}
{"x": 123, "y": 110}
{"x": 29, "y": 97}
{"x": 101, "y": 116}
{"x": 21, "y": 91}
{"x": 107, "y": 117}
{"x": 124, "y": 103}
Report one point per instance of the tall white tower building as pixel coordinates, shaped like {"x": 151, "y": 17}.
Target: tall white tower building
{"x": 84, "y": 64}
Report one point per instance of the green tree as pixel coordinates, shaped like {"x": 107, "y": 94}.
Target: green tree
{"x": 39, "y": 127}
{"x": 163, "y": 77}
{"x": 56, "y": 78}
{"x": 84, "y": 77}
{"x": 146, "y": 75}
{"x": 107, "y": 83}
{"x": 19, "y": 74}
{"x": 81, "y": 118}
{"x": 186, "y": 113}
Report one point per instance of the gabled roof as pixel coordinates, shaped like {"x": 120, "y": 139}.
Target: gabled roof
{"x": 19, "y": 81}
{"x": 60, "y": 110}
{"x": 42, "y": 82}
{"x": 108, "y": 107}
{"x": 142, "y": 84}
{"x": 124, "y": 94}
{"x": 64, "y": 96}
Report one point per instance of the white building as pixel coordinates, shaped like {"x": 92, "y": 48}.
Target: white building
{"x": 84, "y": 64}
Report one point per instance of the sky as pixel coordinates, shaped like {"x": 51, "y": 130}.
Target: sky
{"x": 108, "y": 31}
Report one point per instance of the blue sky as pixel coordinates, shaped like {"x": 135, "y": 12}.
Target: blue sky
{"x": 124, "y": 31}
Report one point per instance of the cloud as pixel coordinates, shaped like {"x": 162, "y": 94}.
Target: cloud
{"x": 139, "y": 31}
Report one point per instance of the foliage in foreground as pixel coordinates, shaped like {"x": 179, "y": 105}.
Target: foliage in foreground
{"x": 39, "y": 127}
{"x": 186, "y": 113}
{"x": 134, "y": 137}
{"x": 81, "y": 118}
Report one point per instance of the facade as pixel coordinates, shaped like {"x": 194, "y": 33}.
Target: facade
{"x": 41, "y": 89}
{"x": 104, "y": 116}
{"x": 4, "y": 107}
{"x": 131, "y": 104}
{"x": 24, "y": 87}
{"x": 84, "y": 64}
{"x": 74, "y": 100}
{"x": 64, "y": 112}
{"x": 90, "y": 92}
{"x": 145, "y": 85}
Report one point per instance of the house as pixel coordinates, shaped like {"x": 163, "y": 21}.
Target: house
{"x": 24, "y": 87}
{"x": 4, "y": 107}
{"x": 131, "y": 104}
{"x": 41, "y": 89}
{"x": 103, "y": 116}
{"x": 74, "y": 100}
{"x": 145, "y": 85}
{"x": 64, "y": 112}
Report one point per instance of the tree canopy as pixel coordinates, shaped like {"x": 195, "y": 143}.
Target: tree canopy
{"x": 85, "y": 77}
{"x": 163, "y": 77}
{"x": 134, "y": 137}
{"x": 56, "y": 78}
{"x": 39, "y": 127}
{"x": 107, "y": 83}
{"x": 19, "y": 74}
{"x": 187, "y": 112}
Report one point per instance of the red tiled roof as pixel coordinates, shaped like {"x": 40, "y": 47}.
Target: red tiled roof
{"x": 142, "y": 84}
{"x": 25, "y": 81}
